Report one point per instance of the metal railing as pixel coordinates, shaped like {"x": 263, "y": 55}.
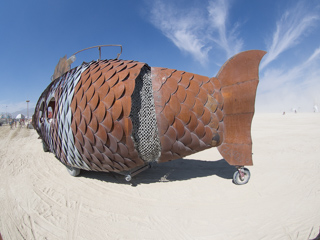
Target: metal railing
{"x": 99, "y": 47}
{"x": 64, "y": 64}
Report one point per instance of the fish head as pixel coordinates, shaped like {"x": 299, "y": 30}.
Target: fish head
{"x": 44, "y": 115}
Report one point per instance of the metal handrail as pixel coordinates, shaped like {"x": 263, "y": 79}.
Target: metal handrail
{"x": 99, "y": 47}
{"x": 67, "y": 63}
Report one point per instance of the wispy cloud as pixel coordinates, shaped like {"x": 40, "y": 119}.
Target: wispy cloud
{"x": 290, "y": 29}
{"x": 275, "y": 77}
{"x": 202, "y": 31}
{"x": 298, "y": 87}
{"x": 285, "y": 88}
{"x": 197, "y": 32}
{"x": 314, "y": 56}
{"x": 183, "y": 28}
{"x": 218, "y": 16}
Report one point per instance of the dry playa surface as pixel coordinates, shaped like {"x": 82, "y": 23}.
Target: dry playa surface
{"x": 191, "y": 198}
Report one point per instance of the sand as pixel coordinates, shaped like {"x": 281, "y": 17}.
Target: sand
{"x": 191, "y": 198}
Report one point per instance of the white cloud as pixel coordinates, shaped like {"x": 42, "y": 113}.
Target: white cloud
{"x": 298, "y": 87}
{"x": 285, "y": 87}
{"x": 293, "y": 25}
{"x": 218, "y": 16}
{"x": 197, "y": 32}
{"x": 314, "y": 56}
{"x": 183, "y": 28}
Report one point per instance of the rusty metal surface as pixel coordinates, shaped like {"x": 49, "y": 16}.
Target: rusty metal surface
{"x": 101, "y": 107}
{"x": 239, "y": 78}
{"x": 117, "y": 115}
{"x": 186, "y": 106}
{"x": 91, "y": 128}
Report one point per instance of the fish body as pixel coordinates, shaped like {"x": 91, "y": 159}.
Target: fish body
{"x": 118, "y": 115}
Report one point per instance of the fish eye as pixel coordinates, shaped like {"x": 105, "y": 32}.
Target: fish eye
{"x": 50, "y": 111}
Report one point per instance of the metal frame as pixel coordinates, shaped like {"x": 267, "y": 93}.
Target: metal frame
{"x": 99, "y": 47}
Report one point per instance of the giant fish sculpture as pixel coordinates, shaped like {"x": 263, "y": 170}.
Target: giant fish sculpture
{"x": 121, "y": 116}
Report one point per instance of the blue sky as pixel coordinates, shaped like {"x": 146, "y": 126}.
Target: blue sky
{"x": 195, "y": 36}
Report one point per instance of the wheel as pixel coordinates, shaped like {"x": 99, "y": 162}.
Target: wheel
{"x": 240, "y": 180}
{"x": 45, "y": 147}
{"x": 128, "y": 178}
{"x": 73, "y": 171}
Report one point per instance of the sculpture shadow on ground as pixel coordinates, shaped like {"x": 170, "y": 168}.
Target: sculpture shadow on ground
{"x": 177, "y": 170}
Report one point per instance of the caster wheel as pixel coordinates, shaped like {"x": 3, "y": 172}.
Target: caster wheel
{"x": 73, "y": 171}
{"x": 242, "y": 178}
{"x": 128, "y": 178}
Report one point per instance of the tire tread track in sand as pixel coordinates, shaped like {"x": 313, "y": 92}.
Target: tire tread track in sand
{"x": 166, "y": 227}
{"x": 40, "y": 200}
{"x": 73, "y": 218}
{"x": 8, "y": 211}
{"x": 32, "y": 228}
{"x": 15, "y": 223}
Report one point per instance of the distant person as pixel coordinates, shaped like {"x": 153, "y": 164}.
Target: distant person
{"x": 50, "y": 114}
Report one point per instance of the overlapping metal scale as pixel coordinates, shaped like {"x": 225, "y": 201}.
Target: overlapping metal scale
{"x": 188, "y": 109}
{"x": 101, "y": 122}
{"x": 56, "y": 132}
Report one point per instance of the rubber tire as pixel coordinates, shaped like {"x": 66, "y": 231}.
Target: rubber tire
{"x": 238, "y": 181}
{"x": 45, "y": 147}
{"x": 128, "y": 178}
{"x": 73, "y": 171}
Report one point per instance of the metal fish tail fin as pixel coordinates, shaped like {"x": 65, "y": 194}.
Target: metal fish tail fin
{"x": 239, "y": 78}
